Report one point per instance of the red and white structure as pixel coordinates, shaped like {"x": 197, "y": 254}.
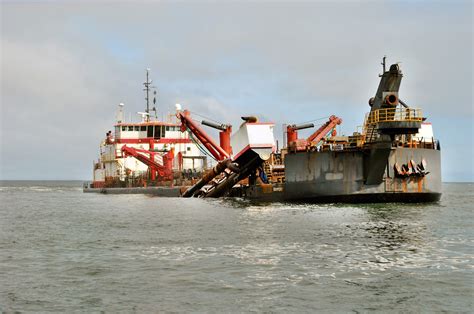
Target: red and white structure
{"x": 124, "y": 152}
{"x": 154, "y": 151}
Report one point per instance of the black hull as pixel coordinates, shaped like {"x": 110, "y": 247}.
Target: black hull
{"x": 372, "y": 198}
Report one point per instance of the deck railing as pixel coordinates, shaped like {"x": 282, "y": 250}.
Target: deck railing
{"x": 393, "y": 114}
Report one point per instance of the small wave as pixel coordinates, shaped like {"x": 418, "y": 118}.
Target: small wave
{"x": 39, "y": 189}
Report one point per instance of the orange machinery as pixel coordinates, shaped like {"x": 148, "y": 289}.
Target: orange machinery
{"x": 219, "y": 152}
{"x": 295, "y": 145}
{"x": 161, "y": 165}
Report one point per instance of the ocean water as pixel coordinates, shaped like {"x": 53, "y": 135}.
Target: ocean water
{"x": 62, "y": 250}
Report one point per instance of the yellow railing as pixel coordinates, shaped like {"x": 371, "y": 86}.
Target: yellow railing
{"x": 393, "y": 114}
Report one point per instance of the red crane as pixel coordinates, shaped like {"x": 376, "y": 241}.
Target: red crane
{"x": 164, "y": 169}
{"x": 295, "y": 144}
{"x": 220, "y": 152}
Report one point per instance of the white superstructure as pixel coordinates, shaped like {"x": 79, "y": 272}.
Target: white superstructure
{"x": 155, "y": 136}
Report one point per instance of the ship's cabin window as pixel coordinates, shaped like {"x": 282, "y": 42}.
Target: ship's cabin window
{"x": 137, "y": 128}
{"x": 130, "y": 127}
{"x": 124, "y": 128}
{"x": 167, "y": 128}
{"x": 157, "y": 131}
{"x": 143, "y": 128}
{"x": 149, "y": 132}
{"x": 188, "y": 148}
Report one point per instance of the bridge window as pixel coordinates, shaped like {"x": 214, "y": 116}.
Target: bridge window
{"x": 149, "y": 131}
{"x": 157, "y": 131}
{"x": 130, "y": 127}
{"x": 124, "y": 128}
{"x": 143, "y": 128}
{"x": 137, "y": 128}
{"x": 162, "y": 131}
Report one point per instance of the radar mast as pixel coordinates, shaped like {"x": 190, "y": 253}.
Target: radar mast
{"x": 147, "y": 89}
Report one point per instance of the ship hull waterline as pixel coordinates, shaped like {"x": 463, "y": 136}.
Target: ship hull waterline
{"x": 342, "y": 177}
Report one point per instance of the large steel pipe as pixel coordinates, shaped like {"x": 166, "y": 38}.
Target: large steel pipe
{"x": 221, "y": 127}
{"x": 302, "y": 126}
{"x": 234, "y": 178}
{"x": 391, "y": 100}
{"x": 211, "y": 174}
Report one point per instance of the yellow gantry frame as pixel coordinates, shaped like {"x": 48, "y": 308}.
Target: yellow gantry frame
{"x": 393, "y": 114}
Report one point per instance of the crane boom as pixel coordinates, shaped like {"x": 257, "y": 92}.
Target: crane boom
{"x": 164, "y": 170}
{"x": 187, "y": 123}
{"x": 294, "y": 144}
{"x": 320, "y": 133}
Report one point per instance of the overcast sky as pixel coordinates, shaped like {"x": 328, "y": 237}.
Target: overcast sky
{"x": 66, "y": 65}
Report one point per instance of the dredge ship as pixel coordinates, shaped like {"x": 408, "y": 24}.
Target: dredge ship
{"x": 394, "y": 158}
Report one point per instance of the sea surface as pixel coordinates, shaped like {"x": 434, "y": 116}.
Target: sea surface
{"x": 65, "y": 251}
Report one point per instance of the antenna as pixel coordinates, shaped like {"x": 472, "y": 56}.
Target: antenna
{"x": 144, "y": 115}
{"x": 154, "y": 102}
{"x": 147, "y": 90}
{"x": 383, "y": 63}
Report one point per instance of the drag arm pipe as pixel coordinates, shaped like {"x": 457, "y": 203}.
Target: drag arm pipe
{"x": 233, "y": 166}
{"x": 202, "y": 136}
{"x": 324, "y": 129}
{"x": 221, "y": 127}
{"x": 225, "y": 186}
{"x": 296, "y": 127}
{"x": 234, "y": 178}
{"x": 211, "y": 174}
